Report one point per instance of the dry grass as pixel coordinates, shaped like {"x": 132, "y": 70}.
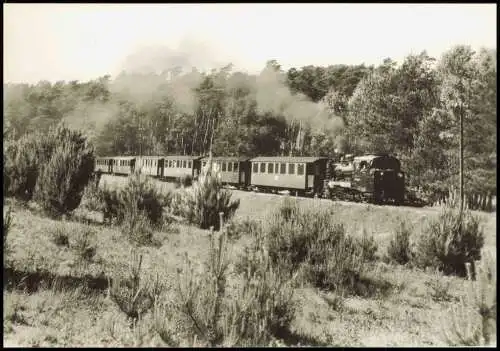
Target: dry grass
{"x": 407, "y": 312}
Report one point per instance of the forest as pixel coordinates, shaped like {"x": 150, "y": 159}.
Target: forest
{"x": 410, "y": 109}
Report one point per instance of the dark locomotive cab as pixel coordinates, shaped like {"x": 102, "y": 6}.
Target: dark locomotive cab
{"x": 381, "y": 176}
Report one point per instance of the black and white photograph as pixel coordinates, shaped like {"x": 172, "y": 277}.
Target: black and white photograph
{"x": 249, "y": 174}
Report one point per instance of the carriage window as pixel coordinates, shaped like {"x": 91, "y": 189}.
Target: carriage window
{"x": 184, "y": 164}
{"x": 255, "y": 168}
{"x": 235, "y": 167}
{"x": 270, "y": 168}
{"x": 190, "y": 164}
{"x": 282, "y": 168}
{"x": 300, "y": 169}
{"x": 229, "y": 166}
{"x": 291, "y": 168}
{"x": 223, "y": 166}
{"x": 262, "y": 167}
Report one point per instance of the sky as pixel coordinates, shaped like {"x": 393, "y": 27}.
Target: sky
{"x": 85, "y": 41}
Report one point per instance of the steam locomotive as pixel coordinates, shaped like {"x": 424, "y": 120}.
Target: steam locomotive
{"x": 376, "y": 178}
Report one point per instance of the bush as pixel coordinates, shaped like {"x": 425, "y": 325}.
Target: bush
{"x": 92, "y": 198}
{"x": 450, "y": 241}
{"x": 183, "y": 181}
{"x": 308, "y": 243}
{"x": 473, "y": 323}
{"x": 7, "y": 224}
{"x": 235, "y": 229}
{"x": 208, "y": 312}
{"x": 399, "y": 247}
{"x": 138, "y": 197}
{"x": 83, "y": 243}
{"x": 23, "y": 161}
{"x": 202, "y": 203}
{"x": 111, "y": 206}
{"x": 368, "y": 246}
{"x": 138, "y": 229}
{"x": 134, "y": 296}
{"x": 60, "y": 236}
{"x": 141, "y": 195}
{"x": 63, "y": 178}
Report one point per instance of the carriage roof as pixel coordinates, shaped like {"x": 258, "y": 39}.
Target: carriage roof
{"x": 227, "y": 158}
{"x": 289, "y": 159}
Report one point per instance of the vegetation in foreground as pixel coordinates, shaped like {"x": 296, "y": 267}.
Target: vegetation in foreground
{"x": 242, "y": 285}
{"x": 160, "y": 296}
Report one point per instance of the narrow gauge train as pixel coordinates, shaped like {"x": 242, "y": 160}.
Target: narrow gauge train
{"x": 375, "y": 177}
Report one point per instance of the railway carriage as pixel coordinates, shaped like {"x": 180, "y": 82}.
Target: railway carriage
{"x": 235, "y": 171}
{"x": 104, "y": 164}
{"x": 151, "y": 165}
{"x": 181, "y": 166}
{"x": 124, "y": 165}
{"x": 304, "y": 175}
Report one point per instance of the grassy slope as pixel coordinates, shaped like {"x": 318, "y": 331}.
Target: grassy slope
{"x": 410, "y": 313}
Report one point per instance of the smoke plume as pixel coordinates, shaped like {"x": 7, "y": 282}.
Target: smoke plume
{"x": 274, "y": 96}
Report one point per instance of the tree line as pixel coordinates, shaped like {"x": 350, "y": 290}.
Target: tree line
{"x": 409, "y": 109}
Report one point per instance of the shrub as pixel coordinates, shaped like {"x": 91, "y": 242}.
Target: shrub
{"x": 336, "y": 266}
{"x": 23, "y": 161}
{"x": 368, "y": 246}
{"x": 399, "y": 247}
{"x": 138, "y": 198}
{"x": 308, "y": 243}
{"x": 133, "y": 296}
{"x": 7, "y": 224}
{"x": 83, "y": 243}
{"x": 263, "y": 309}
{"x": 138, "y": 229}
{"x": 111, "y": 205}
{"x": 60, "y": 236}
{"x": 92, "y": 197}
{"x": 237, "y": 228}
{"x": 207, "y": 311}
{"x": 183, "y": 181}
{"x": 202, "y": 203}
{"x": 450, "y": 241}
{"x": 473, "y": 323}
{"x": 439, "y": 287}
{"x": 63, "y": 178}
{"x": 140, "y": 194}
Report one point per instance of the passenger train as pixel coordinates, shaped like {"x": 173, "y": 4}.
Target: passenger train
{"x": 374, "y": 177}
